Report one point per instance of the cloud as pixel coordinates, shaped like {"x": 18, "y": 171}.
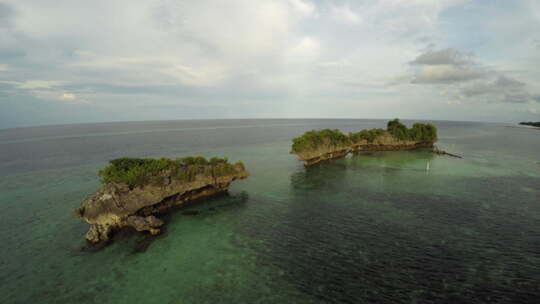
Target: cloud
{"x": 58, "y": 95}
{"x": 7, "y": 14}
{"x": 304, "y": 7}
{"x": 202, "y": 76}
{"x": 446, "y": 74}
{"x": 45, "y": 90}
{"x": 281, "y": 56}
{"x": 449, "y": 56}
{"x": 472, "y": 81}
{"x": 307, "y": 48}
{"x": 39, "y": 84}
{"x": 68, "y": 97}
{"x": 506, "y": 82}
{"x": 500, "y": 89}
{"x": 445, "y": 66}
{"x": 344, "y": 14}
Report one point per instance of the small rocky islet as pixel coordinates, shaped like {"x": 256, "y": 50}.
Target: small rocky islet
{"x": 136, "y": 190}
{"x": 530, "y": 123}
{"x": 320, "y": 145}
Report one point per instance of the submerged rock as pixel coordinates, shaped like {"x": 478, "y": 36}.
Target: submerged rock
{"x": 134, "y": 193}
{"x": 438, "y": 151}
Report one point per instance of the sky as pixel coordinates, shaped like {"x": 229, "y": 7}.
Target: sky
{"x": 75, "y": 61}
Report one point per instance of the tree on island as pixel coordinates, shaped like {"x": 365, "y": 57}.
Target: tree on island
{"x": 140, "y": 171}
{"x": 315, "y": 139}
{"x": 419, "y": 131}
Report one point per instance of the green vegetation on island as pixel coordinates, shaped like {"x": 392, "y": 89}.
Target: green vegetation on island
{"x": 313, "y": 139}
{"x": 368, "y": 135}
{"x": 140, "y": 171}
{"x": 317, "y": 145}
{"x": 419, "y": 131}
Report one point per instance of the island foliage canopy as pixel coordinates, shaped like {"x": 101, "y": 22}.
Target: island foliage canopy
{"x": 419, "y": 132}
{"x": 313, "y": 139}
{"x": 140, "y": 171}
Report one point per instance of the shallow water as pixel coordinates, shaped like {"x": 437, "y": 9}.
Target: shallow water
{"x": 374, "y": 227}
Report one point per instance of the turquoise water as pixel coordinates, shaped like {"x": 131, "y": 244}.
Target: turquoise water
{"x": 375, "y": 227}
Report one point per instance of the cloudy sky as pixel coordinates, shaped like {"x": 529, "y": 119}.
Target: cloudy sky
{"x": 70, "y": 61}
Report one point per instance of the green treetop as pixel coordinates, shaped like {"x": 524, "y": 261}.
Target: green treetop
{"x": 140, "y": 171}
{"x": 314, "y": 139}
{"x": 368, "y": 135}
{"x": 419, "y": 131}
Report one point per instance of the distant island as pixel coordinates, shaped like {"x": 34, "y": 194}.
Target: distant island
{"x": 530, "y": 123}
{"x": 316, "y": 146}
{"x": 136, "y": 189}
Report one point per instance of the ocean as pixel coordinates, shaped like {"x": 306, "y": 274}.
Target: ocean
{"x": 369, "y": 228}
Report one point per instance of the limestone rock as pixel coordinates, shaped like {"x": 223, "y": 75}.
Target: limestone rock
{"x": 383, "y": 142}
{"x": 116, "y": 205}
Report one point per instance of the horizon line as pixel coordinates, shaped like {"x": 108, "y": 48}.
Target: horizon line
{"x": 264, "y": 118}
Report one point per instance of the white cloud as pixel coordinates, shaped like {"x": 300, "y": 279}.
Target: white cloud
{"x": 58, "y": 95}
{"x": 68, "y": 97}
{"x": 212, "y": 52}
{"x": 39, "y": 84}
{"x": 4, "y": 68}
{"x": 344, "y": 14}
{"x": 446, "y": 74}
{"x": 202, "y": 76}
{"x": 304, "y": 7}
{"x": 307, "y": 49}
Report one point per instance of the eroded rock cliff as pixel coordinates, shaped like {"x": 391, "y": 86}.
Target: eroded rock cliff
{"x": 324, "y": 151}
{"x": 157, "y": 190}
{"x": 387, "y": 142}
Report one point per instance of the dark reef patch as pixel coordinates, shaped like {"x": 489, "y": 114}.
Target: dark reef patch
{"x": 340, "y": 242}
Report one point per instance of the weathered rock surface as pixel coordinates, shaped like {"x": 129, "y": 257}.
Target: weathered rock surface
{"x": 387, "y": 142}
{"x": 116, "y": 205}
{"x": 323, "y": 152}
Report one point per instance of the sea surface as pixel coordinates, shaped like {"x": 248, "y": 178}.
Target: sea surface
{"x": 369, "y": 228}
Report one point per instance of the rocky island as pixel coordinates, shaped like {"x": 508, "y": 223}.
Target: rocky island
{"x": 530, "y": 123}
{"x": 135, "y": 190}
{"x": 316, "y": 146}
